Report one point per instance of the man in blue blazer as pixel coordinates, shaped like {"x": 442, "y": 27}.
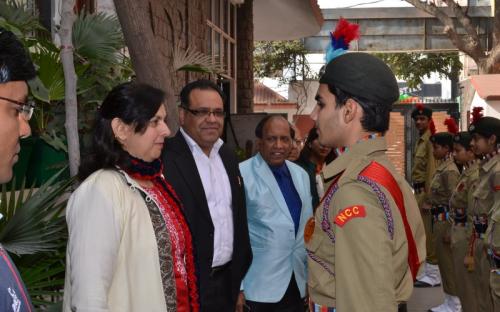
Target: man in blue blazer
{"x": 278, "y": 202}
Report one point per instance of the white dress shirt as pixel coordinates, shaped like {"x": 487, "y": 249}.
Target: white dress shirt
{"x": 219, "y": 197}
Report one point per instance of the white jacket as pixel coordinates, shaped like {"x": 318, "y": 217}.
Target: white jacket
{"x": 112, "y": 261}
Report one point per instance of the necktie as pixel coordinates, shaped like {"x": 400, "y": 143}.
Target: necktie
{"x": 289, "y": 193}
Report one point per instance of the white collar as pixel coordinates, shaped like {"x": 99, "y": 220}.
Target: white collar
{"x": 193, "y": 146}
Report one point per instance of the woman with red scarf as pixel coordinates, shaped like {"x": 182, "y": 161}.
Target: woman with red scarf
{"x": 129, "y": 245}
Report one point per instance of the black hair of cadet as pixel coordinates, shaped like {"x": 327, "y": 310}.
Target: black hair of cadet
{"x": 135, "y": 104}
{"x": 200, "y": 84}
{"x": 376, "y": 116}
{"x": 444, "y": 139}
{"x": 463, "y": 138}
{"x": 259, "y": 130}
{"x": 15, "y": 62}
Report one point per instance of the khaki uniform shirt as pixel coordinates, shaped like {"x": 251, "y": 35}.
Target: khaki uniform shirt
{"x": 354, "y": 262}
{"x": 424, "y": 163}
{"x": 487, "y": 200}
{"x": 461, "y": 198}
{"x": 489, "y": 178}
{"x": 443, "y": 182}
{"x": 484, "y": 194}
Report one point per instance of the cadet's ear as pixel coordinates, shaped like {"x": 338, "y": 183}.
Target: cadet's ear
{"x": 350, "y": 110}
{"x": 492, "y": 140}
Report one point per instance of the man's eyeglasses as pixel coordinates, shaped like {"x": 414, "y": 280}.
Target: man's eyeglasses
{"x": 25, "y": 109}
{"x": 205, "y": 112}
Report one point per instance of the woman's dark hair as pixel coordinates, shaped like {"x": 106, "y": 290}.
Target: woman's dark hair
{"x": 306, "y": 151}
{"x": 135, "y": 104}
{"x": 375, "y": 115}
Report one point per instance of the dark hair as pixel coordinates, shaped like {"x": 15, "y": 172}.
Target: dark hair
{"x": 312, "y": 135}
{"x": 15, "y": 62}
{"x": 292, "y": 131}
{"x": 444, "y": 139}
{"x": 306, "y": 151}
{"x": 135, "y": 104}
{"x": 375, "y": 115}
{"x": 201, "y": 84}
{"x": 259, "y": 130}
{"x": 463, "y": 138}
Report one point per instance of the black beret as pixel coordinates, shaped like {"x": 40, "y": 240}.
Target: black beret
{"x": 443, "y": 139}
{"x": 15, "y": 63}
{"x": 362, "y": 75}
{"x": 486, "y": 126}
{"x": 421, "y": 110}
{"x": 463, "y": 138}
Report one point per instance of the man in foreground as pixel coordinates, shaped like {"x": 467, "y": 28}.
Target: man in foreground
{"x": 366, "y": 241}
{"x": 15, "y": 69}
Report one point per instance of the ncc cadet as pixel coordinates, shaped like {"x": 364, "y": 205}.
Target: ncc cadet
{"x": 366, "y": 240}
{"x": 461, "y": 219}
{"x": 422, "y": 171}
{"x": 485, "y": 133}
{"x": 443, "y": 183}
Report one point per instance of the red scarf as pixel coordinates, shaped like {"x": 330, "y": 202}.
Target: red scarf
{"x": 152, "y": 171}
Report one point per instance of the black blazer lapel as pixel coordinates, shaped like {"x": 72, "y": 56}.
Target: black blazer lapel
{"x": 184, "y": 161}
{"x": 231, "y": 167}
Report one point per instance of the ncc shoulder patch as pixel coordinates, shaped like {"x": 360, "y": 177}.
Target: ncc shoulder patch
{"x": 346, "y": 214}
{"x": 497, "y": 188}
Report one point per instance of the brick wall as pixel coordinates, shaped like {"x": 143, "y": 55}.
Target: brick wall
{"x": 396, "y": 137}
{"x": 179, "y": 22}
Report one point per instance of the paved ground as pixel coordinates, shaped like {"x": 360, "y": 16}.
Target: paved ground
{"x": 425, "y": 298}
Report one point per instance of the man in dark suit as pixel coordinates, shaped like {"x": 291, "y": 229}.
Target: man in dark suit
{"x": 204, "y": 173}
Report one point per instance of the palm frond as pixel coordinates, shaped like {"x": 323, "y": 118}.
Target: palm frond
{"x": 98, "y": 37}
{"x": 17, "y": 15}
{"x": 195, "y": 61}
{"x": 34, "y": 223}
{"x": 49, "y": 85}
{"x": 43, "y": 275}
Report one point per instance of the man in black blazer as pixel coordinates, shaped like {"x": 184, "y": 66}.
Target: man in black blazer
{"x": 204, "y": 173}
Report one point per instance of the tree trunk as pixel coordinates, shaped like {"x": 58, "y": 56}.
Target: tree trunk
{"x": 469, "y": 43}
{"x": 146, "y": 59}
{"x": 71, "y": 106}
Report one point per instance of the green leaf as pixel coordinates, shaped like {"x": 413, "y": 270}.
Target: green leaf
{"x": 34, "y": 223}
{"x": 50, "y": 73}
{"x": 413, "y": 67}
{"x": 98, "y": 37}
{"x": 194, "y": 61}
{"x": 285, "y": 60}
{"x": 19, "y": 19}
{"x": 54, "y": 140}
{"x": 38, "y": 90}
